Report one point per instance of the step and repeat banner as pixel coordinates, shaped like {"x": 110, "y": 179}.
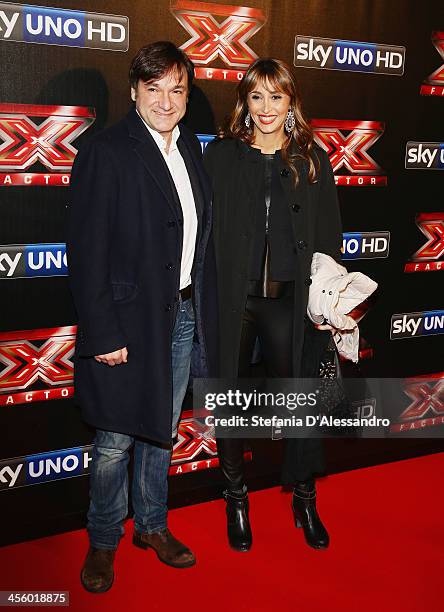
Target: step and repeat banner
{"x": 372, "y": 80}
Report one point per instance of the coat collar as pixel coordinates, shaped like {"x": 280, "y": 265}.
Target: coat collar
{"x": 253, "y": 158}
{"x": 196, "y": 183}
{"x": 251, "y": 162}
{"x": 135, "y": 126}
{"x": 244, "y": 149}
{"x": 152, "y": 158}
{"x": 187, "y": 139}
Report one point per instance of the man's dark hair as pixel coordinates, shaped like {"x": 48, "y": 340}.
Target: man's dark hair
{"x": 154, "y": 61}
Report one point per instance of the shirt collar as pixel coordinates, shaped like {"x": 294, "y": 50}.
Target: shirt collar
{"x": 159, "y": 139}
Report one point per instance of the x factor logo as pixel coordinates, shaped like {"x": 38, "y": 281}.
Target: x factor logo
{"x": 426, "y": 408}
{"x": 212, "y": 39}
{"x": 33, "y": 136}
{"x": 430, "y": 257}
{"x": 36, "y": 365}
{"x": 427, "y": 397}
{"x": 347, "y": 143}
{"x": 195, "y": 448}
{"x": 434, "y": 84}
{"x": 193, "y": 439}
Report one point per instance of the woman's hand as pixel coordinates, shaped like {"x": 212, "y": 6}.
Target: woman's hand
{"x": 324, "y": 327}
{"x": 356, "y": 314}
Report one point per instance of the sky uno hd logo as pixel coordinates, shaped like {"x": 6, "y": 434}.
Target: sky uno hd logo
{"x": 45, "y": 140}
{"x": 52, "y": 26}
{"x": 365, "y": 245}
{"x": 424, "y": 156}
{"x": 44, "y": 467}
{"x": 330, "y": 54}
{"x": 346, "y": 143}
{"x": 224, "y": 39}
{"x": 36, "y": 365}
{"x": 434, "y": 83}
{"x": 27, "y": 261}
{"x": 430, "y": 257}
{"x": 415, "y": 324}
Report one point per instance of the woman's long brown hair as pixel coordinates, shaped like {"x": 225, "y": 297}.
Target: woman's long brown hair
{"x": 278, "y": 75}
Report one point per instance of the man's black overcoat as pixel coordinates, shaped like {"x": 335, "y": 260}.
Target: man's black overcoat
{"x": 124, "y": 252}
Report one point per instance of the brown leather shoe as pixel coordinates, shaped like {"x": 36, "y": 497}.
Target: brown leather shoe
{"x": 97, "y": 574}
{"x": 168, "y": 549}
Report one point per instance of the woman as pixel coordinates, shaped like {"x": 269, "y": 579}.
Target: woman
{"x": 275, "y": 204}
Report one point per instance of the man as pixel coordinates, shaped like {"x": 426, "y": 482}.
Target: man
{"x": 142, "y": 276}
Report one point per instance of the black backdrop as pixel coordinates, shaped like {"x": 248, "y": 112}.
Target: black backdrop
{"x": 36, "y": 334}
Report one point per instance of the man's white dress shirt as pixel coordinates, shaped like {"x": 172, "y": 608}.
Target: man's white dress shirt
{"x": 179, "y": 174}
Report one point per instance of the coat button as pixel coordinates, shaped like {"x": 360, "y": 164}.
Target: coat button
{"x": 171, "y": 224}
{"x": 169, "y": 266}
{"x": 296, "y": 207}
{"x": 167, "y": 307}
{"x": 285, "y": 172}
{"x": 308, "y": 281}
{"x": 180, "y": 222}
{"x": 302, "y": 244}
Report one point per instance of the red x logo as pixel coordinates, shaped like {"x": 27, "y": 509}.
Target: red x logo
{"x": 210, "y": 39}
{"x": 23, "y": 142}
{"x": 193, "y": 438}
{"x": 432, "y": 226}
{"x": 426, "y": 397}
{"x": 437, "y": 77}
{"x": 350, "y": 150}
{"x": 24, "y": 363}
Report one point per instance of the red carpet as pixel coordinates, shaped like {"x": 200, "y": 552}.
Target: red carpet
{"x": 386, "y": 553}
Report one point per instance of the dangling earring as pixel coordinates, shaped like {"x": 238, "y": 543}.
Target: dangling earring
{"x": 290, "y": 121}
{"x": 248, "y": 119}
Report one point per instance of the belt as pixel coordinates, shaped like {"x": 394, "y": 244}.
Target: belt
{"x": 186, "y": 293}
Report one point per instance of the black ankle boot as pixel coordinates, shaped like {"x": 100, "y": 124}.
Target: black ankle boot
{"x": 306, "y": 515}
{"x": 238, "y": 525}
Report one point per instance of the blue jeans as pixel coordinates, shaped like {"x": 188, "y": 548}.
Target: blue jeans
{"x": 109, "y": 470}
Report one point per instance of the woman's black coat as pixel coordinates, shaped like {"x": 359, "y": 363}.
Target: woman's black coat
{"x": 124, "y": 252}
{"x": 236, "y": 175}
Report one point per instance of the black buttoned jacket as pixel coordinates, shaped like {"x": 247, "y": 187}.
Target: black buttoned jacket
{"x": 316, "y": 226}
{"x": 124, "y": 253}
